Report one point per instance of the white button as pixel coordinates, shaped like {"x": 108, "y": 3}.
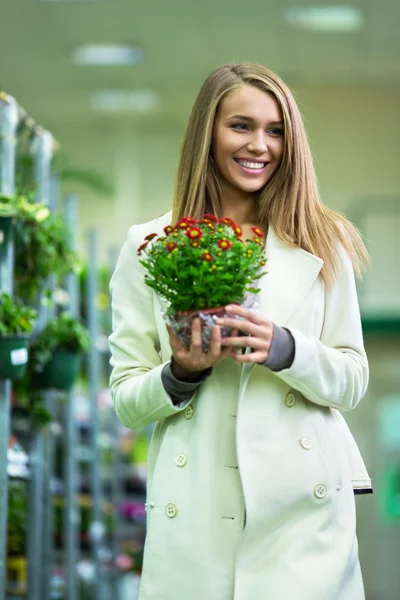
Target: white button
{"x": 290, "y": 400}
{"x": 189, "y": 412}
{"x": 320, "y": 490}
{"x": 171, "y": 511}
{"x": 181, "y": 459}
{"x": 306, "y": 442}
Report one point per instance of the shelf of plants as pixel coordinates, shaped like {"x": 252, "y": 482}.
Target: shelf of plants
{"x": 53, "y": 513}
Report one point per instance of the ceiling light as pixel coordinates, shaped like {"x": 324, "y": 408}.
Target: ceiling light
{"x": 108, "y": 56}
{"x": 117, "y": 100}
{"x": 325, "y": 18}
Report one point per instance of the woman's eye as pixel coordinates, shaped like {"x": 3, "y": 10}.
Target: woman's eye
{"x": 275, "y": 131}
{"x": 240, "y": 126}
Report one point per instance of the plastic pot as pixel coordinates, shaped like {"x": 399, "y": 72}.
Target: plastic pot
{"x": 13, "y": 355}
{"x": 61, "y": 371}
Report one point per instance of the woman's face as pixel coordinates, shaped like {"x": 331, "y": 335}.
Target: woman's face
{"x": 247, "y": 141}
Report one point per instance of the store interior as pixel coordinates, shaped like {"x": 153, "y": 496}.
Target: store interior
{"x": 94, "y": 98}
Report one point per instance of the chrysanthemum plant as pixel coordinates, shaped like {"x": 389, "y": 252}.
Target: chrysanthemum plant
{"x": 202, "y": 265}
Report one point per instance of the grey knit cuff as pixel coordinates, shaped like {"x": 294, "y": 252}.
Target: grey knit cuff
{"x": 181, "y": 391}
{"x": 281, "y": 353}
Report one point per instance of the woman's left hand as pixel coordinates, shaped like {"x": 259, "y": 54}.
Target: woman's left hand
{"x": 256, "y": 329}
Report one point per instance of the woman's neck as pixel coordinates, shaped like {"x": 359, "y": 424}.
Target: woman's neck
{"x": 242, "y": 210}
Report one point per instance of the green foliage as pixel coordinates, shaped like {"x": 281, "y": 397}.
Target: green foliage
{"x": 42, "y": 246}
{"x": 63, "y": 331}
{"x": 17, "y": 517}
{"x": 202, "y": 264}
{"x": 14, "y": 317}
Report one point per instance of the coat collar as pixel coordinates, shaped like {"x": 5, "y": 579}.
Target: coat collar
{"x": 290, "y": 274}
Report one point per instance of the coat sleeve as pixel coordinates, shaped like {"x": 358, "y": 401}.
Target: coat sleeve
{"x": 333, "y": 370}
{"x": 138, "y": 394}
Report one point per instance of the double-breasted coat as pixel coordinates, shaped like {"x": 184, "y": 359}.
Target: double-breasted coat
{"x": 250, "y": 492}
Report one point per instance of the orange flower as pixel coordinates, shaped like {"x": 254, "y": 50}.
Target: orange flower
{"x": 171, "y": 246}
{"x": 256, "y": 240}
{"x": 224, "y": 244}
{"x": 257, "y": 231}
{"x": 169, "y": 229}
{"x": 206, "y": 256}
{"x": 194, "y": 233}
{"x": 195, "y": 244}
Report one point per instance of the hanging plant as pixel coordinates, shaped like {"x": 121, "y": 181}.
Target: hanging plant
{"x": 42, "y": 247}
{"x": 55, "y": 354}
{"x": 16, "y": 324}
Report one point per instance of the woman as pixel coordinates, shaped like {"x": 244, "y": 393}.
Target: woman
{"x": 252, "y": 469}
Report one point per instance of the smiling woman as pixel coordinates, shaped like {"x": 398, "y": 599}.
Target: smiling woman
{"x": 252, "y": 469}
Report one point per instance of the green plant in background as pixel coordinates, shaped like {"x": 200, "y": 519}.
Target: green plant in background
{"x": 6, "y": 210}
{"x": 14, "y": 317}
{"x": 42, "y": 247}
{"x": 202, "y": 264}
{"x": 17, "y": 518}
{"x": 64, "y": 331}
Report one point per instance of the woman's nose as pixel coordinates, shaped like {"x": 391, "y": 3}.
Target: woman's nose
{"x": 258, "y": 143}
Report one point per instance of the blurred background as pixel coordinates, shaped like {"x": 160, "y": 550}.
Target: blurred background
{"x": 113, "y": 82}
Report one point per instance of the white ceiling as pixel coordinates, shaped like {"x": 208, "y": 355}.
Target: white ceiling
{"x": 183, "y": 40}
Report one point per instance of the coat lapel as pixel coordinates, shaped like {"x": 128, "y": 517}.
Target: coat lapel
{"x": 290, "y": 274}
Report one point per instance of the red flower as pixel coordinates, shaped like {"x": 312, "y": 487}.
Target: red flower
{"x": 237, "y": 230}
{"x": 256, "y": 240}
{"x": 211, "y": 217}
{"x": 194, "y": 244}
{"x": 224, "y": 244}
{"x": 259, "y": 233}
{"x": 183, "y": 224}
{"x": 169, "y": 229}
{"x": 194, "y": 233}
{"x": 189, "y": 220}
{"x": 151, "y": 236}
{"x": 171, "y": 246}
{"x": 228, "y": 221}
{"x": 206, "y": 256}
{"x": 142, "y": 247}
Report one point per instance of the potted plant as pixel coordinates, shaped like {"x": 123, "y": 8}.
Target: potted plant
{"x": 198, "y": 267}
{"x": 16, "y": 324}
{"x": 42, "y": 246}
{"x": 56, "y": 353}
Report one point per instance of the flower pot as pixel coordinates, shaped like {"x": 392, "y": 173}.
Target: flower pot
{"x": 6, "y": 225}
{"x": 13, "y": 355}
{"x": 61, "y": 371}
{"x": 182, "y": 321}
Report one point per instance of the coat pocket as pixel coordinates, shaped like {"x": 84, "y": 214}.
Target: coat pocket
{"x": 361, "y": 481}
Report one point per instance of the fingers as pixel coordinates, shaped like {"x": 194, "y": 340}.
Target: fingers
{"x": 253, "y": 357}
{"x": 251, "y": 315}
{"x": 243, "y": 342}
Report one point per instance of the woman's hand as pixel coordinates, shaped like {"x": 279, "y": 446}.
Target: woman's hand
{"x": 258, "y": 332}
{"x": 194, "y": 360}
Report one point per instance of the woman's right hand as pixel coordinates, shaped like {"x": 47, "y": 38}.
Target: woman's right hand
{"x": 189, "y": 363}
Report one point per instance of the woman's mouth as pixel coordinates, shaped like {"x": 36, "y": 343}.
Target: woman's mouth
{"x": 251, "y": 167}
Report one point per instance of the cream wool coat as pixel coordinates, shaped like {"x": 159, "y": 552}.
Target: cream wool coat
{"x": 250, "y": 483}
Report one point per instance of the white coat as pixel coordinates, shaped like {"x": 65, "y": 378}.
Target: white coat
{"x": 250, "y": 484}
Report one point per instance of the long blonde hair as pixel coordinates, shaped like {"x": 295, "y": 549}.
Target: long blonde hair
{"x": 290, "y": 201}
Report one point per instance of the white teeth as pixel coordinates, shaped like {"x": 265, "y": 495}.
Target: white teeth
{"x": 251, "y": 165}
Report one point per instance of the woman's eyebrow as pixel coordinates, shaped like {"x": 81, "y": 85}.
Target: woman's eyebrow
{"x": 250, "y": 119}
